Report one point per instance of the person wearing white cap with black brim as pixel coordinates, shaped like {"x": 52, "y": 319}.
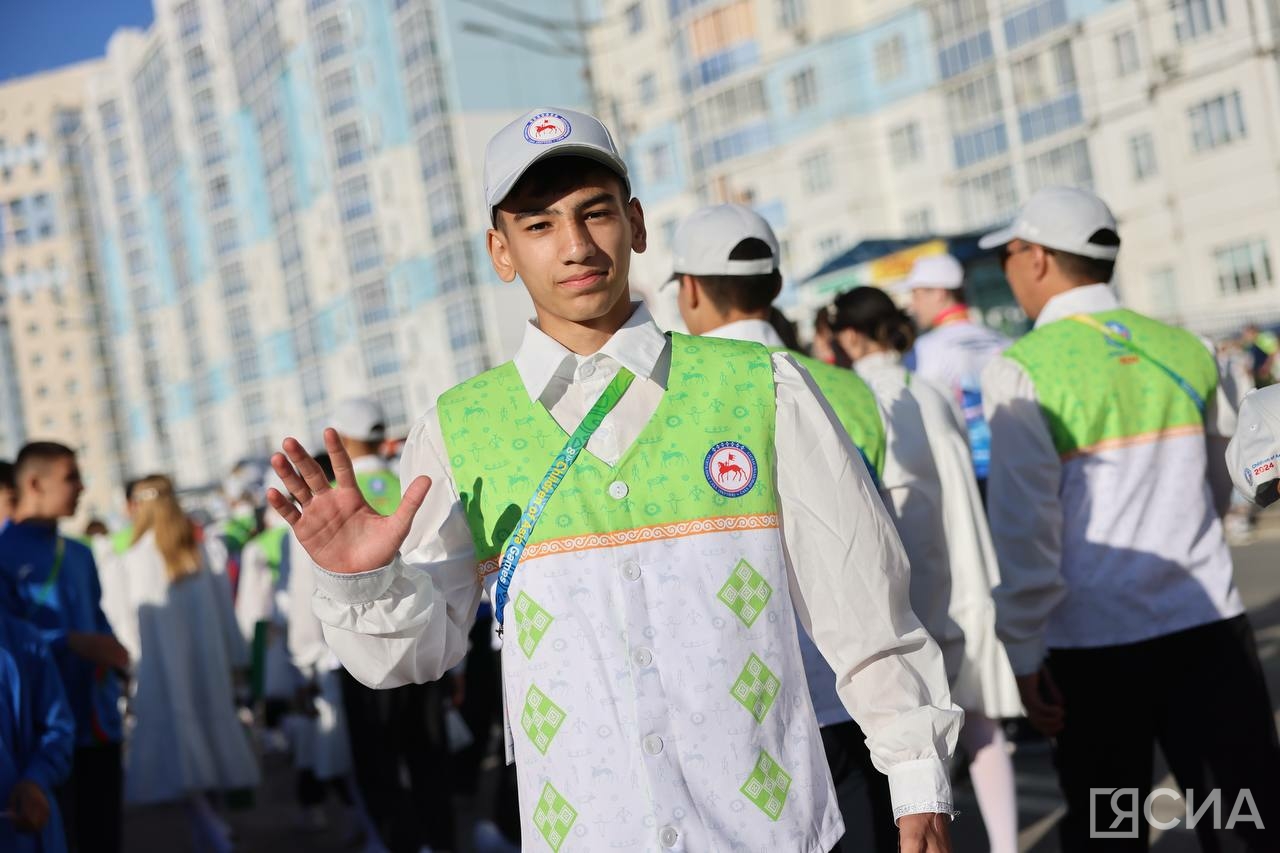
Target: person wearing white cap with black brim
{"x": 1253, "y": 456}
{"x": 642, "y": 508}
{"x": 953, "y": 350}
{"x": 1117, "y": 603}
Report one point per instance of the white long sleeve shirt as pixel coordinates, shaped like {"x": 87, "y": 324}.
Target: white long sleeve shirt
{"x": 409, "y": 621}
{"x": 1026, "y": 506}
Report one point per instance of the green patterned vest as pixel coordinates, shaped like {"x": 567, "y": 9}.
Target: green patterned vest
{"x": 1096, "y": 393}
{"x": 500, "y": 444}
{"x": 381, "y": 489}
{"x": 271, "y": 541}
{"x": 122, "y": 540}
{"x": 854, "y": 405}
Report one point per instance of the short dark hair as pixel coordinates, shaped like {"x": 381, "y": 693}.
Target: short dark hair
{"x": 561, "y": 173}
{"x": 1085, "y": 270}
{"x": 747, "y": 293}
{"x": 36, "y": 456}
{"x": 6, "y": 475}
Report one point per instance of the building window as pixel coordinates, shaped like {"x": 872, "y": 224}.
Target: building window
{"x": 918, "y": 223}
{"x": 347, "y": 145}
{"x": 1163, "y": 285}
{"x": 204, "y": 105}
{"x": 462, "y": 324}
{"x": 363, "y": 252}
{"x": 444, "y": 211}
{"x": 648, "y": 86}
{"x": 976, "y": 103}
{"x": 891, "y": 58}
{"x": 197, "y": 64}
{"x": 802, "y": 90}
{"x": 339, "y": 91}
{"x": 1195, "y": 18}
{"x": 905, "y": 144}
{"x": 816, "y": 173}
{"x": 1217, "y": 122}
{"x": 392, "y": 402}
{"x": 214, "y": 151}
{"x": 137, "y": 262}
{"x": 1064, "y": 65}
{"x": 109, "y": 114}
{"x": 219, "y": 192}
{"x": 380, "y": 356}
{"x": 1065, "y": 166}
{"x": 329, "y": 39}
{"x": 225, "y": 238}
{"x": 234, "y": 282}
{"x": 662, "y": 162}
{"x": 1142, "y": 153}
{"x": 239, "y": 324}
{"x": 188, "y": 15}
{"x": 790, "y": 13}
{"x": 1028, "y": 81}
{"x": 635, "y": 18}
{"x": 1125, "y": 44}
{"x": 374, "y": 303}
{"x": 1243, "y": 267}
{"x": 354, "y": 201}
{"x": 830, "y": 245}
{"x": 988, "y": 198}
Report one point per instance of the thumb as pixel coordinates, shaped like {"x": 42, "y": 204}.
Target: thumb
{"x": 411, "y": 502}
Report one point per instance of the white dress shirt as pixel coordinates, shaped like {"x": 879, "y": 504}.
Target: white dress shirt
{"x": 408, "y": 622}
{"x": 1026, "y": 510}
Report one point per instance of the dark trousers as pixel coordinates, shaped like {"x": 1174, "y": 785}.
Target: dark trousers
{"x": 1200, "y": 695}
{"x": 398, "y": 735}
{"x": 861, "y": 790}
{"x": 92, "y": 800}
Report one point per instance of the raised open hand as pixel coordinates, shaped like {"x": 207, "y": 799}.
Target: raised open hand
{"x": 335, "y": 524}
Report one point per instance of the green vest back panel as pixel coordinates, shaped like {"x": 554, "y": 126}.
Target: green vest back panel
{"x": 854, "y": 405}
{"x": 501, "y": 443}
{"x": 1096, "y": 393}
{"x": 271, "y": 541}
{"x": 122, "y": 539}
{"x": 381, "y": 489}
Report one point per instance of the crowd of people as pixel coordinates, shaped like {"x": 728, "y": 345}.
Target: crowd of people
{"x": 706, "y": 591}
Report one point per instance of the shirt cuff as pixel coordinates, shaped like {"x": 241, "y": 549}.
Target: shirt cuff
{"x": 1025, "y": 656}
{"x": 920, "y": 787}
{"x": 359, "y": 588}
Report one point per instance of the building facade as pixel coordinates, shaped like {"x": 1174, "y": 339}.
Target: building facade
{"x": 54, "y": 381}
{"x": 289, "y": 211}
{"x": 842, "y": 122}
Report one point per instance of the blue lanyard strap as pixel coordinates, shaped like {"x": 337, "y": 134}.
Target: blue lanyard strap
{"x": 519, "y": 538}
{"x": 1094, "y": 323}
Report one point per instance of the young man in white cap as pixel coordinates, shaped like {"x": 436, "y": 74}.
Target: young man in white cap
{"x": 362, "y": 426}
{"x": 1253, "y": 456}
{"x": 726, "y": 261}
{"x": 954, "y": 350}
{"x": 653, "y": 680}
{"x": 1117, "y": 604}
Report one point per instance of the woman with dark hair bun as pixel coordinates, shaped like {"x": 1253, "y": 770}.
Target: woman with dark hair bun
{"x": 932, "y": 494}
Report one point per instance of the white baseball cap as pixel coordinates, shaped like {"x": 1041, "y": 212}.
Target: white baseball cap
{"x": 933, "y": 271}
{"x": 541, "y": 134}
{"x": 1060, "y": 218}
{"x": 1253, "y": 456}
{"x": 707, "y": 237}
{"x": 360, "y": 418}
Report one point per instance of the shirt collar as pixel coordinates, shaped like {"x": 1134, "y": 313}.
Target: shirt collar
{"x": 754, "y": 331}
{"x": 1086, "y": 299}
{"x": 878, "y": 361}
{"x": 368, "y": 464}
{"x": 637, "y": 346}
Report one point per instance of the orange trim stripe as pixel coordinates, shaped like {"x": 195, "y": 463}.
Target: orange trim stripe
{"x": 1132, "y": 440}
{"x": 675, "y": 530}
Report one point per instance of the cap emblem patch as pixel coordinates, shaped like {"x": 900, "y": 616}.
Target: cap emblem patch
{"x": 547, "y": 128}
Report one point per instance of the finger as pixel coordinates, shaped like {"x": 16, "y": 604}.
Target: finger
{"x": 1051, "y": 688}
{"x": 292, "y": 481}
{"x": 284, "y": 507}
{"x": 410, "y": 502}
{"x": 343, "y": 471}
{"x": 308, "y": 467}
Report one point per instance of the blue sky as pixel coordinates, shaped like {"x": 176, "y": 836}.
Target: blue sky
{"x": 36, "y": 35}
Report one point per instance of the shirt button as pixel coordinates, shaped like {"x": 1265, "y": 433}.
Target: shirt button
{"x": 618, "y": 490}
{"x": 668, "y": 836}
{"x": 642, "y": 657}
{"x": 587, "y": 370}
{"x": 631, "y": 571}
{"x": 653, "y": 746}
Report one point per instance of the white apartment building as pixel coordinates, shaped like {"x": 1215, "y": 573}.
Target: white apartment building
{"x": 847, "y": 122}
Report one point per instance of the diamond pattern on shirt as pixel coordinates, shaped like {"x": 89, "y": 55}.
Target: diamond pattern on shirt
{"x": 767, "y": 786}
{"x": 541, "y": 719}
{"x": 553, "y": 817}
{"x": 746, "y": 592}
{"x": 532, "y": 623}
{"x": 756, "y": 688}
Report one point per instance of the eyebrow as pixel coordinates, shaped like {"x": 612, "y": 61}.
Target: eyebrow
{"x": 550, "y": 211}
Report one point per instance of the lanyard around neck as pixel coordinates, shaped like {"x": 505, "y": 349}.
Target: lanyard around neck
{"x": 519, "y": 538}
{"x": 1114, "y": 336}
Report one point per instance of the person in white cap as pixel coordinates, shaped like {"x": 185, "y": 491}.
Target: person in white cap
{"x": 1117, "y": 604}
{"x": 1253, "y": 456}
{"x": 642, "y": 508}
{"x": 727, "y": 270}
{"x": 954, "y": 350}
